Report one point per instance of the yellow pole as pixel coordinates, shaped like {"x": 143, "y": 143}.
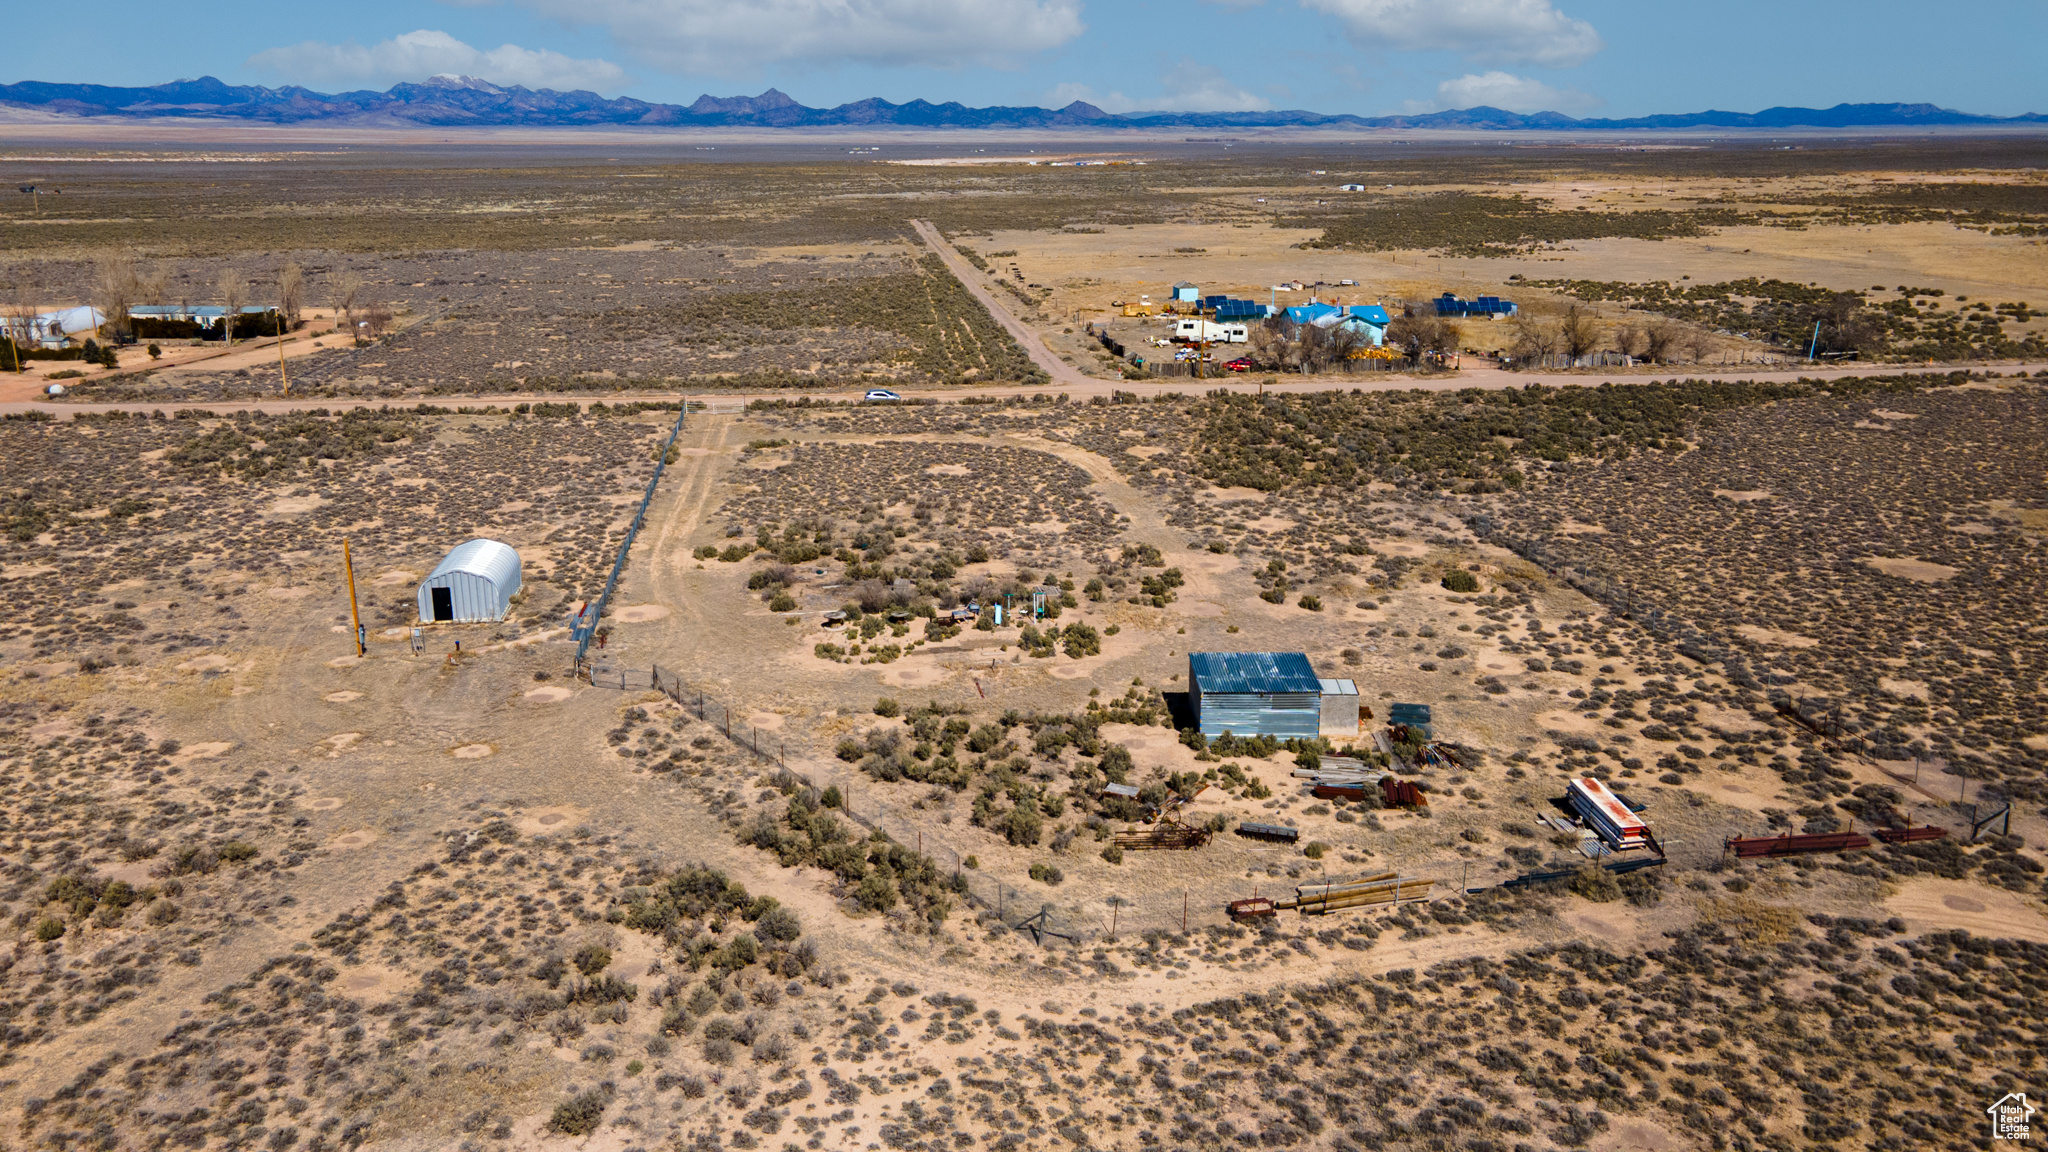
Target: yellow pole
{"x": 355, "y": 618}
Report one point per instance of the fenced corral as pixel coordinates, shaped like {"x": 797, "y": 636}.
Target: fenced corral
{"x": 587, "y": 624}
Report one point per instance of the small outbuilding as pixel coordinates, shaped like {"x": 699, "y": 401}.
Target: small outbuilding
{"x": 473, "y": 585}
{"x": 1255, "y": 694}
{"x": 1340, "y": 707}
{"x": 1187, "y": 292}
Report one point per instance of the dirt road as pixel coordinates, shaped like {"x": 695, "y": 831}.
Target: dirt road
{"x": 1487, "y": 378}
{"x": 15, "y": 396}
{"x": 1063, "y": 374}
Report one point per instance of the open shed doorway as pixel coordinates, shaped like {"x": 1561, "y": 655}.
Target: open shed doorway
{"x": 444, "y": 603}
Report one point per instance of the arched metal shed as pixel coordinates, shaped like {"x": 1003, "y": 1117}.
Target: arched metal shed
{"x": 473, "y": 585}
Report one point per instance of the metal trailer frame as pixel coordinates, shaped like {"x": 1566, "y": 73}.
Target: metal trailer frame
{"x": 1911, "y": 835}
{"x": 1758, "y": 847}
{"x": 1257, "y": 831}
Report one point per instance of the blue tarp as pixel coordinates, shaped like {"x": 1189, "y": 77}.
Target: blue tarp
{"x": 1408, "y": 714}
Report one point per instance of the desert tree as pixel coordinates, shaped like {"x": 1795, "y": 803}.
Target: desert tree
{"x": 1629, "y": 340}
{"x": 25, "y": 294}
{"x": 151, "y": 287}
{"x": 376, "y": 318}
{"x": 1322, "y": 347}
{"x": 1418, "y": 335}
{"x": 1577, "y": 334}
{"x": 347, "y": 290}
{"x": 233, "y": 291}
{"x": 1659, "y": 339}
{"x": 291, "y": 291}
{"x": 1269, "y": 347}
{"x": 1533, "y": 340}
{"x": 115, "y": 287}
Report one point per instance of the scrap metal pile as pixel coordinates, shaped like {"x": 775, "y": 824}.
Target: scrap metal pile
{"x": 1167, "y": 834}
{"x": 1340, "y": 778}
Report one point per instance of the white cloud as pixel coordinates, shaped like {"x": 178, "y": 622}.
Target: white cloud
{"x": 1188, "y": 87}
{"x": 418, "y": 55}
{"x": 724, "y": 37}
{"x": 1488, "y": 31}
{"x": 1514, "y": 93}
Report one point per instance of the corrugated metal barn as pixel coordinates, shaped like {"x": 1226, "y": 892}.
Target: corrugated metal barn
{"x": 475, "y": 584}
{"x": 1255, "y": 694}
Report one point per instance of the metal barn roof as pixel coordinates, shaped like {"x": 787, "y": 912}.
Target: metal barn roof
{"x": 1338, "y": 687}
{"x": 1252, "y": 672}
{"x": 489, "y": 559}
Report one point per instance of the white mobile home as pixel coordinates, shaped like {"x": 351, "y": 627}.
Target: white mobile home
{"x": 1191, "y": 329}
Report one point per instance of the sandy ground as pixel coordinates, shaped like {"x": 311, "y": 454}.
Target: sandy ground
{"x": 1467, "y": 377}
{"x": 393, "y": 751}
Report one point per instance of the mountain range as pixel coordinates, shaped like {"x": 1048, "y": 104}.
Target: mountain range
{"x": 462, "y": 101}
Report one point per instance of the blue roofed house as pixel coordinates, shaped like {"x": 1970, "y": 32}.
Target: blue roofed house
{"x": 1255, "y": 693}
{"x": 1369, "y": 321}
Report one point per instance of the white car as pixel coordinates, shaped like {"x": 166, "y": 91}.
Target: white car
{"x": 881, "y": 394}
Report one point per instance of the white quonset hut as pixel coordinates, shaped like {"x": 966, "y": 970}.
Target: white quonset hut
{"x": 473, "y": 585}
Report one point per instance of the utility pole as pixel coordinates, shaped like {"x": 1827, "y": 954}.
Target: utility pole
{"x": 354, "y": 615}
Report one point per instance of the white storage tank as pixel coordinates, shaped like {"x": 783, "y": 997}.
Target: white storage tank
{"x": 474, "y": 585}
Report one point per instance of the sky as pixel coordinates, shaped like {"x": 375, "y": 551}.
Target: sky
{"x": 1368, "y": 57}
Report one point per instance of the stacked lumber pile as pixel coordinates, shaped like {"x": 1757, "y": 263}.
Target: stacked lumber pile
{"x": 1385, "y": 888}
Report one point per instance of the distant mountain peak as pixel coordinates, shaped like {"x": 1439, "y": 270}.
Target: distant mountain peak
{"x": 459, "y": 101}
{"x": 469, "y": 83}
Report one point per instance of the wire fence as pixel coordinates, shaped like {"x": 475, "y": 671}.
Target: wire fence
{"x": 765, "y": 746}
{"x": 587, "y": 624}
{"x": 1037, "y": 908}
{"x": 1189, "y": 368}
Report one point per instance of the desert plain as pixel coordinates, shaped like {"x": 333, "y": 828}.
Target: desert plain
{"x": 751, "y": 875}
